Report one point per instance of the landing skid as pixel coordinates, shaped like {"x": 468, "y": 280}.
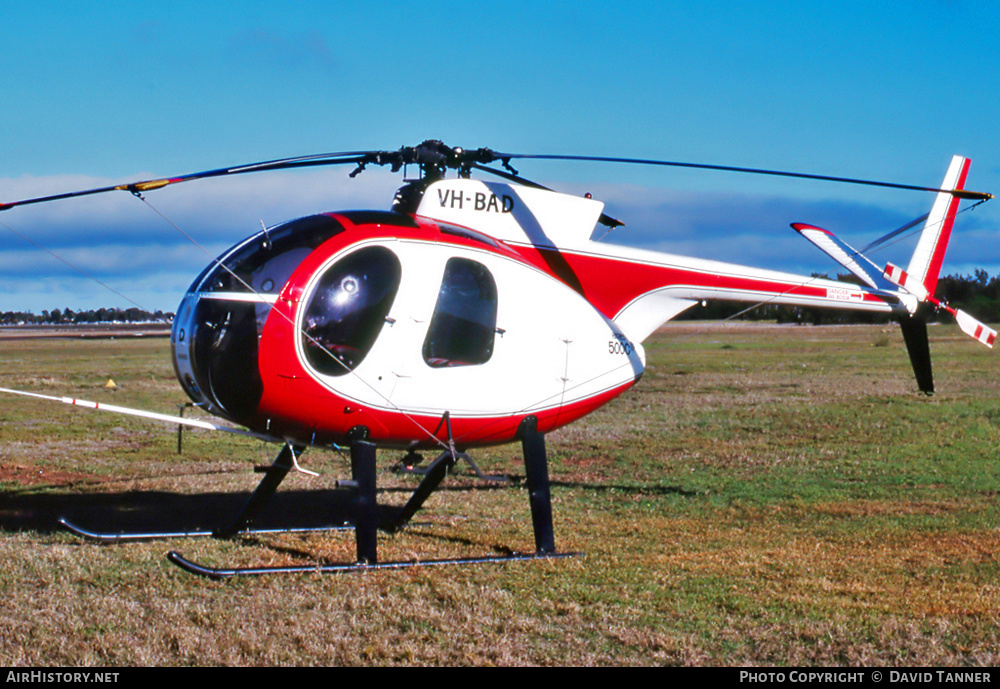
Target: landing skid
{"x": 338, "y": 568}
{"x": 122, "y": 537}
{"x": 364, "y": 511}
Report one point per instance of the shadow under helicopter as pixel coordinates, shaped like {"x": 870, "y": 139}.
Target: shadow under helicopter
{"x": 198, "y": 514}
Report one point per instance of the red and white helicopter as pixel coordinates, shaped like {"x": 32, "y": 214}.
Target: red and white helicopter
{"x": 472, "y": 313}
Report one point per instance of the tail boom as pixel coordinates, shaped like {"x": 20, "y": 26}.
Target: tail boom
{"x": 640, "y": 290}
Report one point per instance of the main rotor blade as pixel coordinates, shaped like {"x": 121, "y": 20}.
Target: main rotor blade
{"x": 146, "y": 185}
{"x": 434, "y": 157}
{"x": 960, "y": 193}
{"x": 884, "y": 238}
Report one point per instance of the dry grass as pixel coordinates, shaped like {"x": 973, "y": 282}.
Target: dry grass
{"x": 764, "y": 496}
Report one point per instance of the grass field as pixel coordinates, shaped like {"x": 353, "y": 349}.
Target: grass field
{"x": 764, "y": 496}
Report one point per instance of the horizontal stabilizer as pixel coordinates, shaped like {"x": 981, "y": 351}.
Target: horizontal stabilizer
{"x": 846, "y": 256}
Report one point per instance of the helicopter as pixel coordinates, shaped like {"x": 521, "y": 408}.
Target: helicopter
{"x": 472, "y": 313}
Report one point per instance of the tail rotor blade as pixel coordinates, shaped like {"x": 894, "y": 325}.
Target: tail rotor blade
{"x": 974, "y": 329}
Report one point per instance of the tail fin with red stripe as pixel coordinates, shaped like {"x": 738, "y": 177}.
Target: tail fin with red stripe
{"x": 925, "y": 264}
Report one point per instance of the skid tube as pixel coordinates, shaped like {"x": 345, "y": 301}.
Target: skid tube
{"x": 128, "y": 536}
{"x": 343, "y": 567}
{"x": 363, "y": 485}
{"x": 241, "y": 524}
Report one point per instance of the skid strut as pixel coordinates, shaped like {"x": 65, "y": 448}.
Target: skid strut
{"x": 536, "y": 467}
{"x": 365, "y": 508}
{"x": 433, "y": 476}
{"x": 273, "y": 476}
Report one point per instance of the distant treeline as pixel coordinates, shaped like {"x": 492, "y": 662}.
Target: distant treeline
{"x": 977, "y": 294}
{"x": 69, "y": 317}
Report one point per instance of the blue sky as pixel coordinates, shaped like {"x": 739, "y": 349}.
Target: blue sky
{"x": 99, "y": 93}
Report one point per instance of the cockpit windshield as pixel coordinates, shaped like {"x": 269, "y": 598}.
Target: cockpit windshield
{"x": 264, "y": 262}
{"x": 217, "y": 329}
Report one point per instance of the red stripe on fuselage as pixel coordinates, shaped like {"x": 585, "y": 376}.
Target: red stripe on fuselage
{"x": 610, "y": 284}
{"x": 296, "y": 405}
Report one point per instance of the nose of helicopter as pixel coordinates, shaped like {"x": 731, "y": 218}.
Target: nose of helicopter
{"x": 214, "y": 343}
{"x": 216, "y": 332}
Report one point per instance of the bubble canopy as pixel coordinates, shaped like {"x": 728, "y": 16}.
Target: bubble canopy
{"x": 220, "y": 320}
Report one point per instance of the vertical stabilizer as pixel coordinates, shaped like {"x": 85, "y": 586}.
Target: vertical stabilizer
{"x": 918, "y": 347}
{"x": 929, "y": 254}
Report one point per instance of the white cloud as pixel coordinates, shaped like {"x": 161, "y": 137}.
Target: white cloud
{"x": 125, "y": 244}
